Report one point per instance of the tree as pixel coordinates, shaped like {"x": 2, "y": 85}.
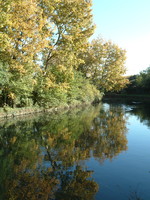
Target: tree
{"x": 143, "y": 80}
{"x": 40, "y": 43}
{"x": 43, "y": 43}
{"x": 104, "y": 65}
{"x": 22, "y": 26}
{"x": 72, "y": 25}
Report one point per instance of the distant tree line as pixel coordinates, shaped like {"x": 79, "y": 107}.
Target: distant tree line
{"x": 139, "y": 84}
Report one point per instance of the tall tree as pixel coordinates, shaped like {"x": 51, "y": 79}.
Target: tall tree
{"x": 104, "y": 65}
{"x": 71, "y": 23}
{"x": 72, "y": 27}
{"x": 22, "y": 29}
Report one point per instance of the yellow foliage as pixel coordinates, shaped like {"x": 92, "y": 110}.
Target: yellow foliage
{"x": 105, "y": 62}
{"x": 11, "y": 95}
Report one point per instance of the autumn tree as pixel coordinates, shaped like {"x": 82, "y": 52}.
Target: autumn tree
{"x": 40, "y": 43}
{"x": 72, "y": 25}
{"x": 104, "y": 65}
{"x": 22, "y": 26}
{"x": 44, "y": 45}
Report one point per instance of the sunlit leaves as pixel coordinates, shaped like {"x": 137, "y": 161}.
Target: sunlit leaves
{"x": 104, "y": 65}
{"x": 44, "y": 43}
{"x": 41, "y": 40}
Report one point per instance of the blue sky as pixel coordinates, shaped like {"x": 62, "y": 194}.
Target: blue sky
{"x": 126, "y": 23}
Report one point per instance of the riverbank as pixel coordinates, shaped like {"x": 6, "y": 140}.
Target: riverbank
{"x": 8, "y": 112}
{"x": 127, "y": 97}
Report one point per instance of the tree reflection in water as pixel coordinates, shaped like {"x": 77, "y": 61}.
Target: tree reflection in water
{"x": 41, "y": 157}
{"x": 142, "y": 111}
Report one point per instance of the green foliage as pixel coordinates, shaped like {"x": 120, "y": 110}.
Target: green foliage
{"x": 15, "y": 89}
{"x": 77, "y": 91}
{"x": 143, "y": 79}
{"x": 81, "y": 90}
{"x": 139, "y": 83}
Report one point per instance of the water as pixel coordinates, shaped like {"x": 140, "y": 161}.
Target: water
{"x": 100, "y": 153}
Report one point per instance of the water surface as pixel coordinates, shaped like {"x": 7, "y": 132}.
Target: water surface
{"x": 99, "y": 152}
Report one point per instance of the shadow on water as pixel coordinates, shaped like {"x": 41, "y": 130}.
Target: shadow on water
{"x": 142, "y": 111}
{"x": 43, "y": 157}
{"x": 137, "y": 108}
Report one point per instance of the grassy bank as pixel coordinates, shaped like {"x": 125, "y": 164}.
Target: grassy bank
{"x": 7, "y": 112}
